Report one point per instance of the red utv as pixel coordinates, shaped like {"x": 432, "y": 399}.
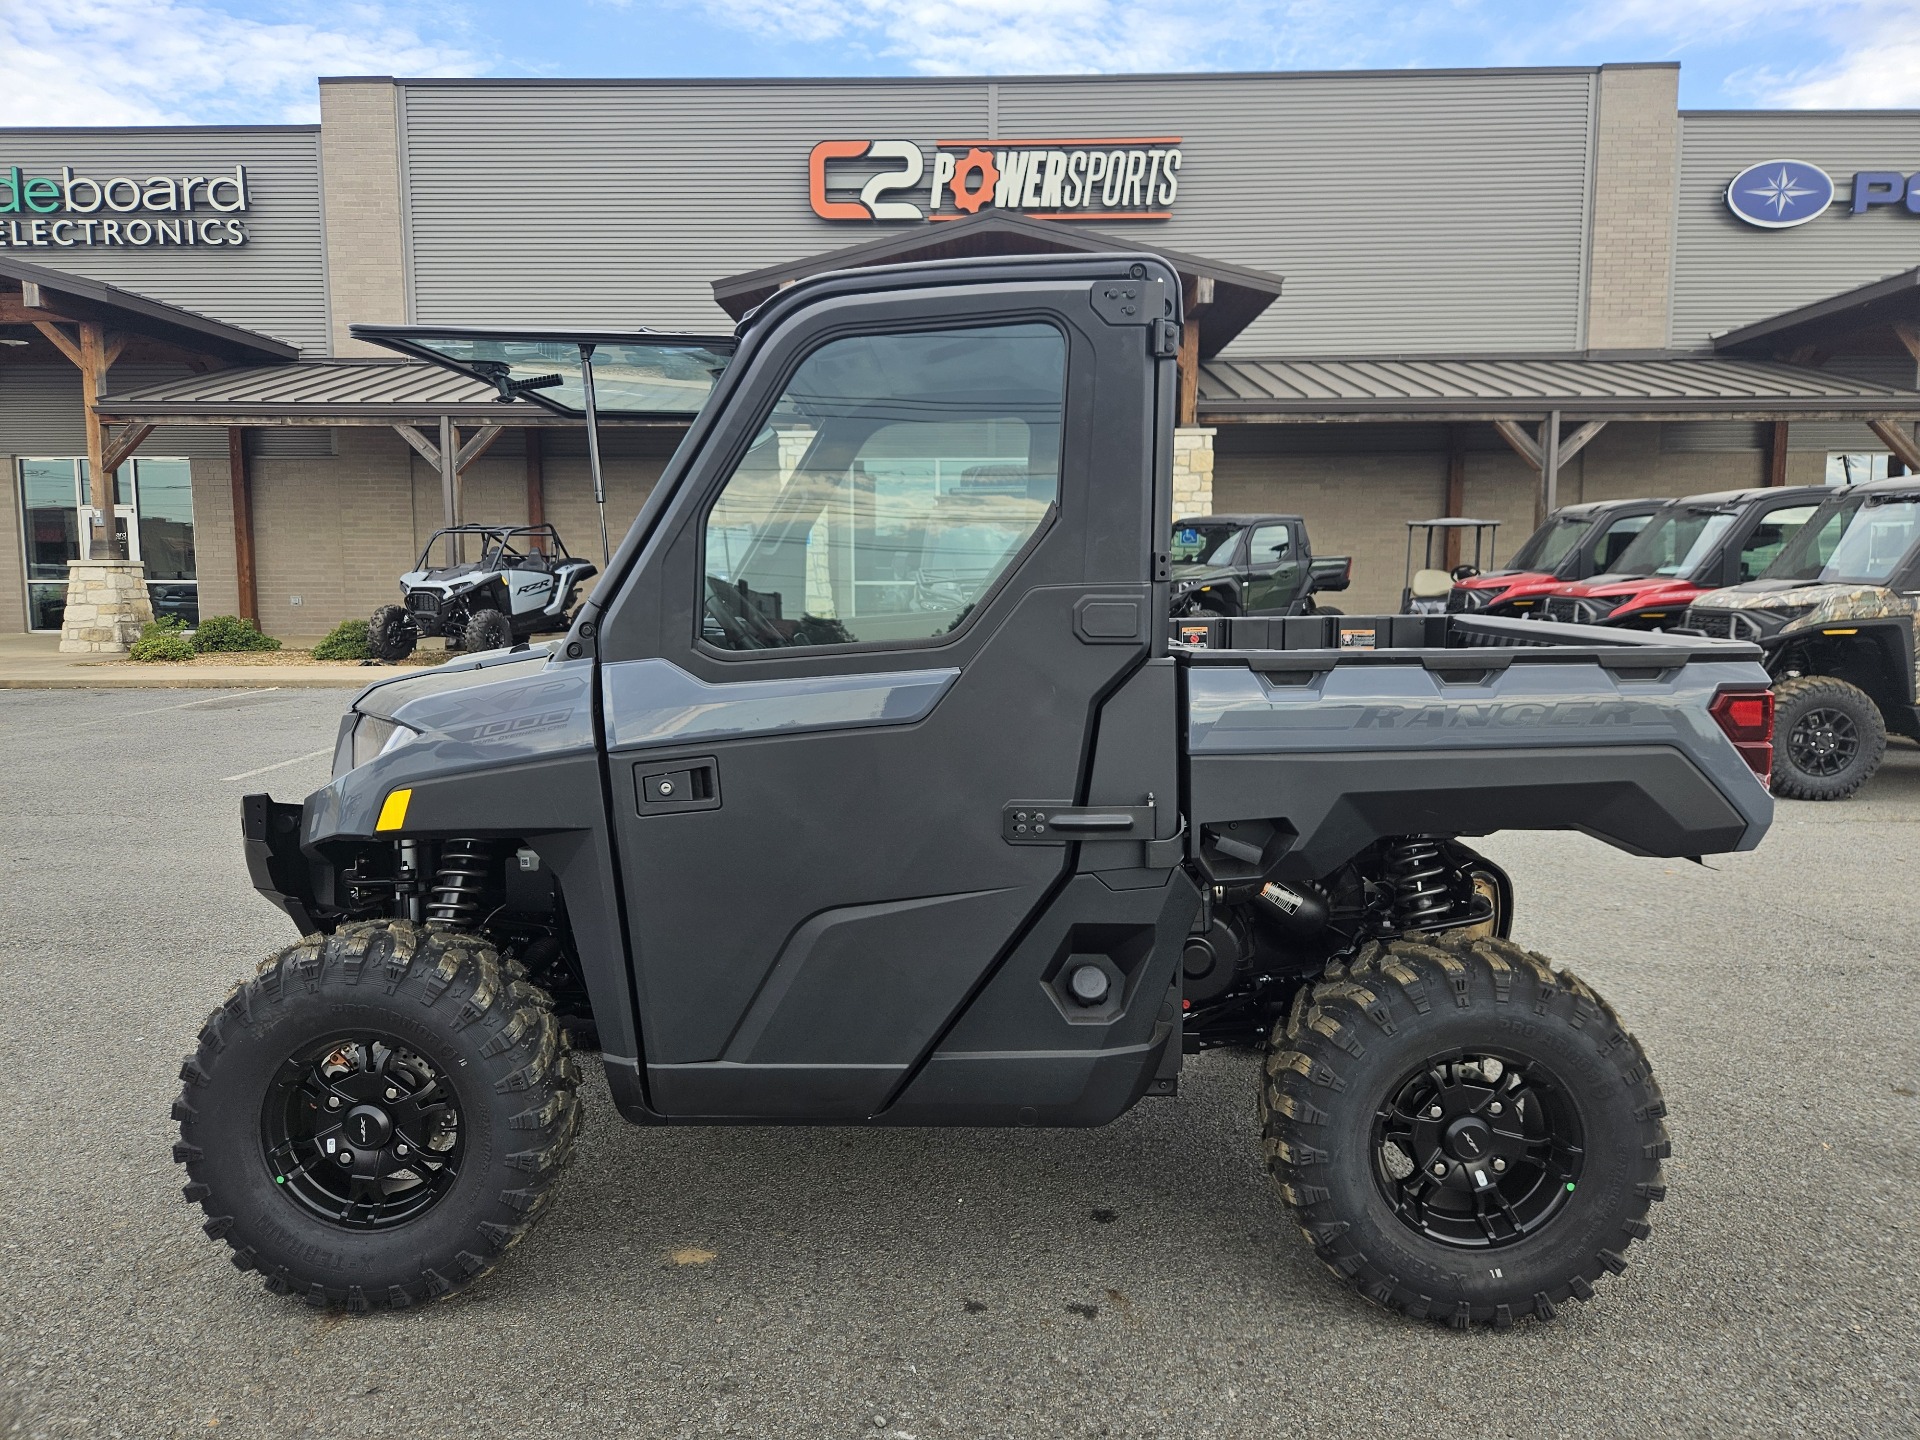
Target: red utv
{"x": 1692, "y": 545}
{"x": 1577, "y": 542}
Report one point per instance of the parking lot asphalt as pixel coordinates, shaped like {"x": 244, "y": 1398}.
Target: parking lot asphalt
{"x": 1132, "y": 1281}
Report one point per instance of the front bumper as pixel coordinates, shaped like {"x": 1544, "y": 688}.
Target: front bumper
{"x": 278, "y": 867}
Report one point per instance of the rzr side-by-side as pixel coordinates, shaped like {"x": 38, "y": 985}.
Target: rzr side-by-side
{"x": 870, "y": 787}
{"x": 523, "y": 584}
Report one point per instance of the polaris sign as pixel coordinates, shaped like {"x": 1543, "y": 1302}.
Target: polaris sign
{"x": 1780, "y": 194}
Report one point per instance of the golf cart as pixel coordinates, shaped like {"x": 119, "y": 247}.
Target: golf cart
{"x": 522, "y": 585}
{"x": 1426, "y": 589}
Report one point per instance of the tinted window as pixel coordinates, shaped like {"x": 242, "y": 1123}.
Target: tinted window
{"x": 895, "y": 482}
{"x": 1204, "y": 544}
{"x": 1272, "y": 545}
{"x": 1550, "y": 544}
{"x": 1770, "y": 537}
{"x": 1615, "y": 539}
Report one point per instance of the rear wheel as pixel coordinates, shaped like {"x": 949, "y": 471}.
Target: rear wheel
{"x": 1463, "y": 1134}
{"x": 391, "y": 633}
{"x": 378, "y": 1116}
{"x": 1828, "y": 738}
{"x": 487, "y": 630}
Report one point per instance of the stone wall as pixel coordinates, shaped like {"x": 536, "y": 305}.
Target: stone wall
{"x": 1193, "y": 471}
{"x": 106, "y": 606}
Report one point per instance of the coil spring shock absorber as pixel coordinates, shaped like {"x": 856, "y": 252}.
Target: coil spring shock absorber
{"x": 459, "y": 884}
{"x": 1421, "y": 881}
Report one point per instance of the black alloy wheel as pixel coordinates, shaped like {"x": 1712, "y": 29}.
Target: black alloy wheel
{"x": 1477, "y": 1150}
{"x": 362, "y": 1131}
{"x": 1829, "y": 738}
{"x": 392, "y": 633}
{"x": 487, "y": 630}
{"x": 1823, "y": 742}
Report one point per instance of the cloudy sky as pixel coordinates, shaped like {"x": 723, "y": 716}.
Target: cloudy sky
{"x": 132, "y": 62}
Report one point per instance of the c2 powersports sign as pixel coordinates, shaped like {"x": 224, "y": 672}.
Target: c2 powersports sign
{"x": 1126, "y": 179}
{"x": 1781, "y": 194}
{"x": 67, "y": 209}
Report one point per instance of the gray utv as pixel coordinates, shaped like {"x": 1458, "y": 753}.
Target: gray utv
{"x": 790, "y": 834}
{"x": 522, "y": 584}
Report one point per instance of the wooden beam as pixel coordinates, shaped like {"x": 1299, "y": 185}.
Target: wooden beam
{"x": 116, "y": 347}
{"x": 1777, "y": 453}
{"x": 1523, "y": 444}
{"x": 1576, "y": 442}
{"x": 93, "y": 373}
{"x": 1909, "y": 336}
{"x": 1189, "y": 370}
{"x": 429, "y": 451}
{"x": 1456, "y": 503}
{"x": 241, "y": 481}
{"x": 1899, "y": 439}
{"x": 476, "y": 447}
{"x": 129, "y": 442}
{"x": 536, "y": 483}
{"x": 61, "y": 341}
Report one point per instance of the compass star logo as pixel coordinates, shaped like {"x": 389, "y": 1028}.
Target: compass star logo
{"x": 1779, "y": 194}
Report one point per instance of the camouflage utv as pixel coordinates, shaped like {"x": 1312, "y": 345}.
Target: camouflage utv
{"x": 1835, "y": 616}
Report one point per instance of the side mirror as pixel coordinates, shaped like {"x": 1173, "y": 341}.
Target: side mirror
{"x": 1330, "y": 572}
{"x": 1465, "y": 572}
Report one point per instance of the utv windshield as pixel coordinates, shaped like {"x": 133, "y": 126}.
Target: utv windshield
{"x": 634, "y": 375}
{"x": 1855, "y": 540}
{"x": 1205, "y": 544}
{"x": 1676, "y": 542}
{"x": 1551, "y": 543}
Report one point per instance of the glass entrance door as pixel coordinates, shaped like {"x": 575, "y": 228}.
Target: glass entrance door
{"x": 153, "y": 516}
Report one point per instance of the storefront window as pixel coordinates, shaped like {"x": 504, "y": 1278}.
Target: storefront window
{"x": 155, "y": 500}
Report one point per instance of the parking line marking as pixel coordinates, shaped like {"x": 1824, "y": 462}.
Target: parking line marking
{"x": 280, "y": 765}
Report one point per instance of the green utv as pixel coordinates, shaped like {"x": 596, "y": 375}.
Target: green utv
{"x": 1835, "y": 617}
{"x": 874, "y": 785}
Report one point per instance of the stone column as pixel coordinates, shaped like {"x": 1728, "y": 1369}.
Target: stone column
{"x": 107, "y": 606}
{"x": 1193, "y": 470}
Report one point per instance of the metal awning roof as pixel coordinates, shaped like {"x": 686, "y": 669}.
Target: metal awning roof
{"x": 1470, "y": 387}
{"x": 329, "y": 392}
{"x": 1880, "y": 318}
{"x": 78, "y": 298}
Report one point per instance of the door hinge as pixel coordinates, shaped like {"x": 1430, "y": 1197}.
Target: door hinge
{"x": 1042, "y": 822}
{"x": 1165, "y": 339}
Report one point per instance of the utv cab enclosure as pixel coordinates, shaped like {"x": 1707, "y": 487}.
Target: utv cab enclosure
{"x": 871, "y": 788}
{"x": 1690, "y": 546}
{"x": 1576, "y": 542}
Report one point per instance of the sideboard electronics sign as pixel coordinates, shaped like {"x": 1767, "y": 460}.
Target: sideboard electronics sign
{"x": 1125, "y": 179}
{"x": 146, "y": 212}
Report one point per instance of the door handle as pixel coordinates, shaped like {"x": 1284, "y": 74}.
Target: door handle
{"x": 668, "y": 786}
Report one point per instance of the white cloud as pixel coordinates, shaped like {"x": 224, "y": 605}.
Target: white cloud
{"x": 164, "y": 62}
{"x": 1879, "y": 70}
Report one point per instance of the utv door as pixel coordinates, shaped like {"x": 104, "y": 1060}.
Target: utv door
{"x": 903, "y": 561}
{"x": 1274, "y": 569}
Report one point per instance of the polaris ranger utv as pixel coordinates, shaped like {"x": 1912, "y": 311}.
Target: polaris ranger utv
{"x": 522, "y": 585}
{"x": 1835, "y": 617}
{"x": 789, "y": 843}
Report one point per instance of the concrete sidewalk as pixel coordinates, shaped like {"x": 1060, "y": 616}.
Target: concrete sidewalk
{"x": 34, "y": 662}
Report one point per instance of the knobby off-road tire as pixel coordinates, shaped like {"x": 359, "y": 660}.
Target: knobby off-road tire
{"x": 1828, "y": 738}
{"x": 1382, "y": 1029}
{"x": 381, "y": 1019}
{"x": 487, "y": 630}
{"x": 391, "y": 633}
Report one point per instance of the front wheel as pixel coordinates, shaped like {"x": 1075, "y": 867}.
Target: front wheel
{"x": 1462, "y": 1133}
{"x": 377, "y": 1116}
{"x": 487, "y": 630}
{"x": 1828, "y": 738}
{"x": 391, "y": 633}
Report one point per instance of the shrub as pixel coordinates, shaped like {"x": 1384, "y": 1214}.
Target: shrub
{"x": 346, "y": 641}
{"x": 230, "y": 632}
{"x": 163, "y": 639}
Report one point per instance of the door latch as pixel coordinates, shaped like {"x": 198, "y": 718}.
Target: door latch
{"x": 1041, "y": 822}
{"x": 673, "y": 785}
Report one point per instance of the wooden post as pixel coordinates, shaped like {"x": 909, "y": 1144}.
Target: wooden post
{"x": 536, "y": 483}
{"x": 1456, "y": 489}
{"x": 1189, "y": 363}
{"x": 450, "y": 481}
{"x": 1549, "y": 469}
{"x": 242, "y": 483}
{"x": 1777, "y": 453}
{"x": 105, "y": 542}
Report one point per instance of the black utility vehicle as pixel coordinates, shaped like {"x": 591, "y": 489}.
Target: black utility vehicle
{"x": 867, "y": 852}
{"x": 1835, "y": 616}
{"x": 522, "y": 584}
{"x": 1251, "y": 565}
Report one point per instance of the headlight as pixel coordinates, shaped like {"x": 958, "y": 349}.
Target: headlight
{"x": 373, "y": 736}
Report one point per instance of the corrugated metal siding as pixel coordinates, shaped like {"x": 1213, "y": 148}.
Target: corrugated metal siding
{"x": 619, "y": 205}
{"x": 40, "y": 412}
{"x": 1728, "y": 273}
{"x": 1417, "y": 212}
{"x": 275, "y": 283}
